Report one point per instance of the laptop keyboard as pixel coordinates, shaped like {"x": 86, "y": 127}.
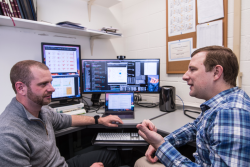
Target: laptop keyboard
{"x": 122, "y": 115}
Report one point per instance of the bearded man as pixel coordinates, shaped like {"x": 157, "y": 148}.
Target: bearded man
{"x": 27, "y": 125}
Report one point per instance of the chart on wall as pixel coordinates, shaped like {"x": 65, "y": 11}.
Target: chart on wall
{"x": 181, "y": 15}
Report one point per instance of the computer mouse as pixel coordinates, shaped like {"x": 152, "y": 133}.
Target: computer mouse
{"x": 114, "y": 122}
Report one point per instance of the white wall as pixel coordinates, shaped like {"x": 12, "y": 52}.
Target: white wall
{"x": 143, "y": 24}
{"x": 145, "y": 37}
{"x": 18, "y": 44}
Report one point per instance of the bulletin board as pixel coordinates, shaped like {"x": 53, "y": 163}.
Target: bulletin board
{"x": 180, "y": 67}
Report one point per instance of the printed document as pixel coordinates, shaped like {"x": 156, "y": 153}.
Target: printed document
{"x": 181, "y": 17}
{"x": 180, "y": 50}
{"x": 209, "y": 10}
{"x": 210, "y": 34}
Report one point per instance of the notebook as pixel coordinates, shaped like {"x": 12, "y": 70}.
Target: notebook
{"x": 120, "y": 104}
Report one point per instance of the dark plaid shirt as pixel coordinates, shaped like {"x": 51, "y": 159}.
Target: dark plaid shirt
{"x": 222, "y": 134}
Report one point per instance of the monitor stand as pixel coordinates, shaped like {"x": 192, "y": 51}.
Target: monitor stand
{"x": 95, "y": 98}
{"x": 64, "y": 103}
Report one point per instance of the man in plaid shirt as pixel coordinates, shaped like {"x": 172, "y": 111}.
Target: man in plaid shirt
{"x": 222, "y": 130}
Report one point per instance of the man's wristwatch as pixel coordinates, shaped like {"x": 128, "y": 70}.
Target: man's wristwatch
{"x": 96, "y": 118}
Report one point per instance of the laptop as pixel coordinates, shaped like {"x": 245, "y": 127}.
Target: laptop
{"x": 120, "y": 104}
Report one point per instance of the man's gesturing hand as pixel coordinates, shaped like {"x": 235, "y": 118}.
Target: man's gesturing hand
{"x": 149, "y": 135}
{"x": 149, "y": 125}
{"x": 111, "y": 121}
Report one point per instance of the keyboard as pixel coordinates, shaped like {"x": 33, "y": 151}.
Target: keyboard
{"x": 116, "y": 136}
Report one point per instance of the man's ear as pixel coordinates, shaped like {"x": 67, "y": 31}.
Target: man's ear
{"x": 20, "y": 88}
{"x": 218, "y": 71}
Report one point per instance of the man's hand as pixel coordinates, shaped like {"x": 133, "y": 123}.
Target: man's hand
{"x": 149, "y": 135}
{"x": 149, "y": 154}
{"x": 110, "y": 121}
{"x": 97, "y": 164}
{"x": 149, "y": 125}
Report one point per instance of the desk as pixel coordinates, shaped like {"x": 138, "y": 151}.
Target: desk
{"x": 162, "y": 120}
{"x": 140, "y": 114}
{"x": 168, "y": 123}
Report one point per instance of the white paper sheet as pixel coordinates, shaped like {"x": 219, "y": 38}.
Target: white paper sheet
{"x": 209, "y": 10}
{"x": 180, "y": 50}
{"x": 181, "y": 17}
{"x": 210, "y": 34}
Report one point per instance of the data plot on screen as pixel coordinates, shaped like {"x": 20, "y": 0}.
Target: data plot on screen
{"x": 117, "y": 75}
{"x": 61, "y": 61}
{"x": 63, "y": 87}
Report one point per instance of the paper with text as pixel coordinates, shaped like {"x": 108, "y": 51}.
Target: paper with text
{"x": 209, "y": 10}
{"x": 210, "y": 34}
{"x": 180, "y": 50}
{"x": 181, "y": 17}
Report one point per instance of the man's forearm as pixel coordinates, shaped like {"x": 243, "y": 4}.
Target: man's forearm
{"x": 81, "y": 120}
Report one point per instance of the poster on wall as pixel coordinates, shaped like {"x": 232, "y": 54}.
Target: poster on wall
{"x": 181, "y": 17}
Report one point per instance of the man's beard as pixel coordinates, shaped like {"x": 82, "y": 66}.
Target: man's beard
{"x": 37, "y": 99}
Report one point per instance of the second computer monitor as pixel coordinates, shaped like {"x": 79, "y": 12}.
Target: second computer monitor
{"x": 112, "y": 75}
{"x": 63, "y": 61}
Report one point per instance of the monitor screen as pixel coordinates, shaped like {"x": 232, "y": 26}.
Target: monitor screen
{"x": 136, "y": 75}
{"x": 63, "y": 61}
{"x": 119, "y": 101}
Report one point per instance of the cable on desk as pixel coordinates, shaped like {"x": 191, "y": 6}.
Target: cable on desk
{"x": 90, "y": 109}
{"x": 184, "y": 111}
{"x": 138, "y": 98}
{"x": 85, "y": 102}
{"x": 150, "y": 105}
{"x": 13, "y": 21}
{"x": 158, "y": 116}
{"x": 94, "y": 109}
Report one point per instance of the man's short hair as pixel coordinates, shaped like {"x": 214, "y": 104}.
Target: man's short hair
{"x": 21, "y": 72}
{"x": 218, "y": 55}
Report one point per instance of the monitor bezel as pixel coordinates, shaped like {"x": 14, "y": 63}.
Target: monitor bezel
{"x": 121, "y": 91}
{"x": 80, "y": 65}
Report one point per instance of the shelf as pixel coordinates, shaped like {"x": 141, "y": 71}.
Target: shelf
{"x": 105, "y": 3}
{"x": 42, "y": 26}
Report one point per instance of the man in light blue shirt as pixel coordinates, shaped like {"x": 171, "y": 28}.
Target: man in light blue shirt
{"x": 222, "y": 130}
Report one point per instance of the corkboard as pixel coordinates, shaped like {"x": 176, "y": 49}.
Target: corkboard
{"x": 180, "y": 67}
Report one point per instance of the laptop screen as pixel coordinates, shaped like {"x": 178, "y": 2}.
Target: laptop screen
{"x": 119, "y": 101}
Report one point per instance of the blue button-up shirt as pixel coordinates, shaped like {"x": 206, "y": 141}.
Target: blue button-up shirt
{"x": 222, "y": 133}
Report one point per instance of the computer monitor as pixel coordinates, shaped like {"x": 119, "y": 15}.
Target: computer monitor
{"x": 112, "y": 75}
{"x": 63, "y": 61}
